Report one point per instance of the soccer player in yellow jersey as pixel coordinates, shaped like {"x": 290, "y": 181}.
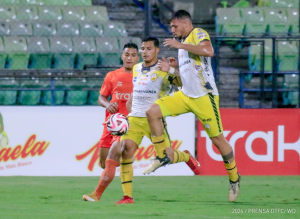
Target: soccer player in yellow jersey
{"x": 149, "y": 83}
{"x": 198, "y": 95}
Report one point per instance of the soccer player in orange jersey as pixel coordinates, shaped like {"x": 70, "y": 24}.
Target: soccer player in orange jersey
{"x": 118, "y": 85}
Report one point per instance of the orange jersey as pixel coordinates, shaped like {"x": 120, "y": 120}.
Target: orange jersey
{"x": 119, "y": 85}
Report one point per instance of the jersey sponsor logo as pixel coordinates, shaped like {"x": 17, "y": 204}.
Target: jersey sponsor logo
{"x": 208, "y": 86}
{"x": 153, "y": 77}
{"x": 145, "y": 91}
{"x": 119, "y": 83}
{"x": 201, "y": 34}
{"x": 143, "y": 79}
{"x": 142, "y": 98}
{"x": 180, "y": 53}
{"x": 198, "y": 67}
{"x": 123, "y": 96}
{"x": 142, "y": 83}
{"x": 206, "y": 68}
{"x": 184, "y": 63}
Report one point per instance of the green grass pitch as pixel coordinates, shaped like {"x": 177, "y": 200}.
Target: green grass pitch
{"x": 155, "y": 197}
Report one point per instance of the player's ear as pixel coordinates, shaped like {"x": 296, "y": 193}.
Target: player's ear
{"x": 157, "y": 50}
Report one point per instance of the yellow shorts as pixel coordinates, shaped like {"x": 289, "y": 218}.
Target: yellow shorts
{"x": 206, "y": 109}
{"x": 138, "y": 128}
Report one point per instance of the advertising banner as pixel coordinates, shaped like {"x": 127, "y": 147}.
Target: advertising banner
{"x": 264, "y": 141}
{"x": 63, "y": 141}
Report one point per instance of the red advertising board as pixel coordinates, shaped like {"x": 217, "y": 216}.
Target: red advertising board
{"x": 264, "y": 141}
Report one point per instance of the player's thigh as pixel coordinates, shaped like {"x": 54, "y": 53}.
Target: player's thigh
{"x": 135, "y": 131}
{"x": 206, "y": 109}
{"x": 173, "y": 105}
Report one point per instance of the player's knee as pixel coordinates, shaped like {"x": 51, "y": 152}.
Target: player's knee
{"x": 153, "y": 111}
{"x": 115, "y": 151}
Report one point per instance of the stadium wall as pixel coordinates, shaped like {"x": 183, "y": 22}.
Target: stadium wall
{"x": 63, "y": 141}
{"x": 265, "y": 142}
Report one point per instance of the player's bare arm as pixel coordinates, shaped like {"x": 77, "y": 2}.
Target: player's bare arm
{"x": 203, "y": 49}
{"x": 111, "y": 107}
{"x": 129, "y": 104}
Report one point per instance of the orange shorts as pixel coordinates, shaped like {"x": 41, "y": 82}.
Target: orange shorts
{"x": 107, "y": 139}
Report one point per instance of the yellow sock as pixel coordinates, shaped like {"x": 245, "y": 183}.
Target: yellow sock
{"x": 126, "y": 174}
{"x": 180, "y": 156}
{"x": 232, "y": 170}
{"x": 159, "y": 145}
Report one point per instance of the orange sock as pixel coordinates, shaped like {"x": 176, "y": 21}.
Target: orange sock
{"x": 107, "y": 176}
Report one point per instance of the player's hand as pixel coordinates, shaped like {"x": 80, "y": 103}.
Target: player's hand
{"x": 173, "y": 43}
{"x": 112, "y": 107}
{"x": 163, "y": 65}
{"x": 173, "y": 62}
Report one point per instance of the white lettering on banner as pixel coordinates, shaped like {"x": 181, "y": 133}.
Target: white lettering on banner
{"x": 286, "y": 146}
{"x": 268, "y": 137}
{"x": 233, "y": 139}
{"x": 126, "y": 96}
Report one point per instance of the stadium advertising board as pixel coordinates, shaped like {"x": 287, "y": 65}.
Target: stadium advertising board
{"x": 63, "y": 141}
{"x": 265, "y": 142}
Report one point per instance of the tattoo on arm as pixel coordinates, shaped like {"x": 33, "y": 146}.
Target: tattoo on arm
{"x": 228, "y": 156}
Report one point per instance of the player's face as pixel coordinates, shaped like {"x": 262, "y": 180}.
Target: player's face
{"x": 130, "y": 57}
{"x": 178, "y": 27}
{"x": 149, "y": 51}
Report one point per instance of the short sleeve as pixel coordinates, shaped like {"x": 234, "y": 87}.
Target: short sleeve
{"x": 200, "y": 35}
{"x": 135, "y": 72}
{"x": 107, "y": 87}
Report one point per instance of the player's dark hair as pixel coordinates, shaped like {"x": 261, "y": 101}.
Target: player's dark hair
{"x": 181, "y": 14}
{"x": 153, "y": 39}
{"x": 131, "y": 45}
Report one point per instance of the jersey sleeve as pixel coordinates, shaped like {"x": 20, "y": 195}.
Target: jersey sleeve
{"x": 107, "y": 86}
{"x": 134, "y": 71}
{"x": 200, "y": 35}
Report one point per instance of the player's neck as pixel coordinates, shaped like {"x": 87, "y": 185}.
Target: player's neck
{"x": 149, "y": 64}
{"x": 188, "y": 31}
{"x": 129, "y": 71}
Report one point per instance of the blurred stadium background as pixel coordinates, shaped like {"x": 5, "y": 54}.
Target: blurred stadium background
{"x": 58, "y": 52}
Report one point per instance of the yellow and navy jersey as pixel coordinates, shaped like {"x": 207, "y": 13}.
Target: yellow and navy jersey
{"x": 149, "y": 84}
{"x": 195, "y": 71}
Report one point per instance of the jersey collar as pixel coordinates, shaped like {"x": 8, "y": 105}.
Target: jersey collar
{"x": 148, "y": 68}
{"x": 184, "y": 38}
